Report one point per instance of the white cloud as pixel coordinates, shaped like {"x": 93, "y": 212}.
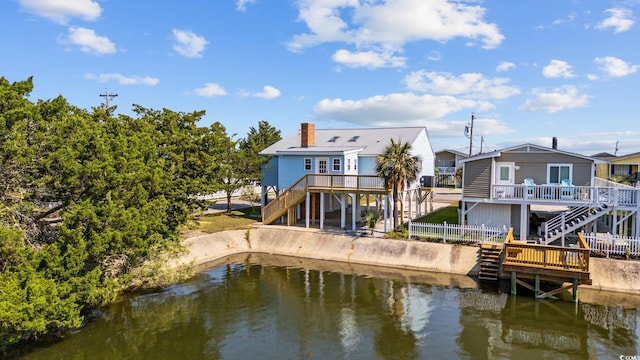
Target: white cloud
{"x": 123, "y": 80}
{"x": 558, "y": 69}
{"x": 62, "y": 11}
{"x": 241, "y": 5}
{"x": 562, "y": 98}
{"x": 505, "y": 66}
{"x": 569, "y": 18}
{"x": 89, "y": 42}
{"x": 620, "y": 19}
{"x": 473, "y": 85}
{"x": 210, "y": 90}
{"x": 434, "y": 56}
{"x": 389, "y": 25}
{"x": 615, "y": 67}
{"x": 268, "y": 92}
{"x": 188, "y": 44}
{"x": 368, "y": 59}
{"x": 393, "y": 109}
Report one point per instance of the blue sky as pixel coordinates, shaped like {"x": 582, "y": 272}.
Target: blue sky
{"x": 528, "y": 70}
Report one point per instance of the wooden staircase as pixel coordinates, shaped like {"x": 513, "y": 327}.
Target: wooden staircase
{"x": 285, "y": 202}
{"x": 490, "y": 261}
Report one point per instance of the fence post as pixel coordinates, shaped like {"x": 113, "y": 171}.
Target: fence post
{"x": 444, "y": 234}
{"x": 410, "y": 229}
{"x": 483, "y": 234}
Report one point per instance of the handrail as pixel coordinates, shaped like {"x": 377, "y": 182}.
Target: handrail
{"x": 582, "y": 242}
{"x": 546, "y": 257}
{"x": 295, "y": 193}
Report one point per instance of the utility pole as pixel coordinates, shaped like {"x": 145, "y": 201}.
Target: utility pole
{"x": 473, "y": 116}
{"x": 615, "y": 153}
{"x": 107, "y": 97}
{"x": 481, "y": 144}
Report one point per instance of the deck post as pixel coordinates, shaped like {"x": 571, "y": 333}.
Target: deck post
{"x": 343, "y": 210}
{"x": 513, "y": 283}
{"x": 322, "y": 211}
{"x": 575, "y": 291}
{"x": 537, "y": 290}
{"x": 353, "y": 211}
{"x": 307, "y": 207}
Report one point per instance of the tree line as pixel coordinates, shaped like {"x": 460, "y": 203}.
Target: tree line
{"x": 87, "y": 197}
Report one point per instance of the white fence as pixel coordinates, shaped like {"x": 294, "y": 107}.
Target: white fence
{"x": 465, "y": 233}
{"x": 613, "y": 245}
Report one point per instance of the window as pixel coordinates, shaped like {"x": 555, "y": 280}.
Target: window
{"x": 558, "y": 172}
{"x": 307, "y": 164}
{"x": 355, "y": 164}
{"x": 336, "y": 164}
{"x": 504, "y": 173}
{"x": 348, "y": 164}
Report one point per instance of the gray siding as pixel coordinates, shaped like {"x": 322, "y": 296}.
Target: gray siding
{"x": 534, "y": 165}
{"x": 477, "y": 178}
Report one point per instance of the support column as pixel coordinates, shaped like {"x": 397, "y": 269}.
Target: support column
{"x": 575, "y": 291}
{"x": 307, "y": 209}
{"x": 343, "y": 210}
{"x": 537, "y": 290}
{"x": 514, "y": 283}
{"x": 353, "y": 212}
{"x": 321, "y": 210}
{"x": 524, "y": 222}
{"x": 384, "y": 211}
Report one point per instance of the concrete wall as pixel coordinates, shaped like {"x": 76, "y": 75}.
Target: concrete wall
{"x": 606, "y": 274}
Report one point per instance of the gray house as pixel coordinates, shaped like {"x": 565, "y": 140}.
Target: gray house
{"x": 543, "y": 193}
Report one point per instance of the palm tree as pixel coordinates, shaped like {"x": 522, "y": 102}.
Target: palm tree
{"x": 397, "y": 167}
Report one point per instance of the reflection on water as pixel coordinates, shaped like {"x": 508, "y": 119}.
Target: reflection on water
{"x": 268, "y": 307}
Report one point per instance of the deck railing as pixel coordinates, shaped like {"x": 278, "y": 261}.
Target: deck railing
{"x": 453, "y": 232}
{"x": 296, "y": 192}
{"x": 623, "y": 196}
{"x": 547, "y": 257}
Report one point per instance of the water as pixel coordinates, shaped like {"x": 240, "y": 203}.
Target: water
{"x": 268, "y": 307}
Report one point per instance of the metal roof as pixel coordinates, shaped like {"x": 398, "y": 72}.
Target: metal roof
{"x": 370, "y": 141}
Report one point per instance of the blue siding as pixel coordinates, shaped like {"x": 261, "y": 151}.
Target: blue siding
{"x": 270, "y": 172}
{"x": 367, "y": 165}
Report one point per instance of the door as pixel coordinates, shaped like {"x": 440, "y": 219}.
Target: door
{"x": 323, "y": 165}
{"x": 504, "y": 179}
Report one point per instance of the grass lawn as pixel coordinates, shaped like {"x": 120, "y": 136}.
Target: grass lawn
{"x": 448, "y": 214}
{"x": 236, "y": 220}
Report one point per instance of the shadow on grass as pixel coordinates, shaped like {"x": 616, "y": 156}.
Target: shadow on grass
{"x": 237, "y": 219}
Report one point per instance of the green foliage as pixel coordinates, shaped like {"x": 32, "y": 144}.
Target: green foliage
{"x": 371, "y": 218}
{"x": 91, "y": 204}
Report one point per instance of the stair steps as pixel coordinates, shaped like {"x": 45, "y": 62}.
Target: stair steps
{"x": 490, "y": 261}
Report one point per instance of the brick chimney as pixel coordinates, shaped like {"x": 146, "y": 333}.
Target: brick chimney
{"x": 308, "y": 135}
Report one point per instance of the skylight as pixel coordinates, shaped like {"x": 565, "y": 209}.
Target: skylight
{"x": 353, "y": 139}
{"x": 333, "y": 139}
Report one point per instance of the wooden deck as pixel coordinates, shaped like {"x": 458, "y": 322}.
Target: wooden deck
{"x": 315, "y": 183}
{"x": 546, "y": 263}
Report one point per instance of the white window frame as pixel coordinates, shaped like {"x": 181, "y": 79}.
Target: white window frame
{"x": 308, "y": 164}
{"x": 348, "y": 164}
{"x": 559, "y": 166}
{"x": 338, "y": 162}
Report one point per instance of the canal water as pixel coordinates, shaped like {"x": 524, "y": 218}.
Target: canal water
{"x": 271, "y": 307}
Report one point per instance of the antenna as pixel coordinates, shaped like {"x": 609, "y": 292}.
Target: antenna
{"x": 616, "y": 151}
{"x": 107, "y": 97}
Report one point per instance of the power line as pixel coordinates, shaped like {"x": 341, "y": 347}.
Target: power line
{"x": 107, "y": 97}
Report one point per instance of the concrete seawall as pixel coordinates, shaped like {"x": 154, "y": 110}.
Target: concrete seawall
{"x": 607, "y": 274}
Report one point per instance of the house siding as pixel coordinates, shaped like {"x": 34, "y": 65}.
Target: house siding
{"x": 496, "y": 215}
{"x": 477, "y": 179}
{"x": 534, "y": 165}
{"x": 270, "y": 172}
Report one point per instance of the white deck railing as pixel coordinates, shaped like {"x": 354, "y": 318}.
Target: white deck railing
{"x": 619, "y": 195}
{"x": 465, "y": 233}
{"x": 613, "y": 245}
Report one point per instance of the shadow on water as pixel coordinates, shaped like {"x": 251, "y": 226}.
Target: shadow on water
{"x": 275, "y": 307}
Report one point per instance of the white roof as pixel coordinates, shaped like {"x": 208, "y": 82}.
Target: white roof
{"x": 370, "y": 141}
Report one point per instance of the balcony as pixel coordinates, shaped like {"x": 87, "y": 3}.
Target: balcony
{"x": 569, "y": 195}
